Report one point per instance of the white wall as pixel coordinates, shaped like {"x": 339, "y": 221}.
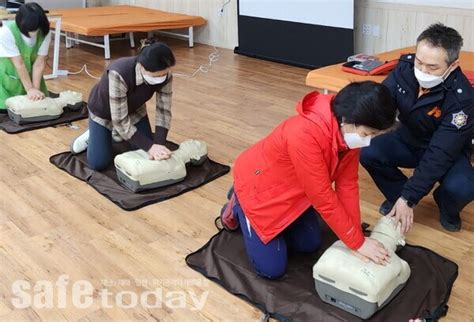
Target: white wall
{"x": 93, "y": 3}
{"x": 399, "y": 21}
{"x": 459, "y": 4}
{"x": 52, "y": 4}
{"x": 220, "y": 30}
{"x": 400, "y": 24}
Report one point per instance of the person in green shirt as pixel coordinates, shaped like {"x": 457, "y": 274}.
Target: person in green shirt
{"x": 24, "y": 47}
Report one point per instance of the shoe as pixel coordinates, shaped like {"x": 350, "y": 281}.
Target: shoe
{"x": 450, "y": 223}
{"x": 385, "y": 208}
{"x": 80, "y": 143}
{"x": 227, "y": 217}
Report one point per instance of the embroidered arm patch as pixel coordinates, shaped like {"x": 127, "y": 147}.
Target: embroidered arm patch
{"x": 459, "y": 119}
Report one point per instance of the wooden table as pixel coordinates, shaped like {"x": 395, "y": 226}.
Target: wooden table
{"x": 56, "y": 19}
{"x": 122, "y": 19}
{"x": 332, "y": 78}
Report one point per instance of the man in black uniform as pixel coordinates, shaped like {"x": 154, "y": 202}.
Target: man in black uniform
{"x": 435, "y": 103}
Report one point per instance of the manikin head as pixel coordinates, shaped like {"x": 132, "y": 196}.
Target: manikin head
{"x": 388, "y": 232}
{"x": 68, "y": 98}
{"x": 191, "y": 150}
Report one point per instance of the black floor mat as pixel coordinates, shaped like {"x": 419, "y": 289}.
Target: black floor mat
{"x": 68, "y": 116}
{"x": 106, "y": 182}
{"x": 293, "y": 298}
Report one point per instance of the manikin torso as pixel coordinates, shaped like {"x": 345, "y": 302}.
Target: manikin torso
{"x": 137, "y": 166}
{"x": 338, "y": 267}
{"x": 27, "y": 108}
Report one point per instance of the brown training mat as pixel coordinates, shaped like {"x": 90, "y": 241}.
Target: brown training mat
{"x": 293, "y": 298}
{"x": 107, "y": 184}
{"x": 67, "y": 117}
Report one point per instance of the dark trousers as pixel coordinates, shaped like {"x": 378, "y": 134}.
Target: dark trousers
{"x": 388, "y": 152}
{"x": 99, "y": 149}
{"x": 271, "y": 260}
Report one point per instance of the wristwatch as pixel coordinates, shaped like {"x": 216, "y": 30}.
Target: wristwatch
{"x": 408, "y": 202}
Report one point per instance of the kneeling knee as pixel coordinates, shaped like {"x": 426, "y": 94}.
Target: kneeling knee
{"x": 271, "y": 271}
{"x": 98, "y": 165}
{"x": 314, "y": 244}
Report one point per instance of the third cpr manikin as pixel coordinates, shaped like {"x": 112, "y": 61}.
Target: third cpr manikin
{"x": 22, "y": 110}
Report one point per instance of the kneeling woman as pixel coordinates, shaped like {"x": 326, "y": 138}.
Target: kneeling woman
{"x": 24, "y": 45}
{"x": 308, "y": 165}
{"x": 117, "y": 103}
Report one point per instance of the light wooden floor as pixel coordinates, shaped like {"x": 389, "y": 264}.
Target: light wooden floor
{"x": 53, "y": 224}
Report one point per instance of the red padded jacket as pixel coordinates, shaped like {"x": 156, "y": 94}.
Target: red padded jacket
{"x": 303, "y": 162}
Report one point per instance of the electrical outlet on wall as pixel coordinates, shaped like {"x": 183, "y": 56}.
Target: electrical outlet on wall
{"x": 366, "y": 29}
{"x": 376, "y": 30}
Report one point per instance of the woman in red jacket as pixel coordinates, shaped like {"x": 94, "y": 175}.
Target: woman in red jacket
{"x": 308, "y": 165}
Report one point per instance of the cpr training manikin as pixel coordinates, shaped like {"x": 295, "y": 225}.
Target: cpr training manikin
{"x": 22, "y": 110}
{"x": 137, "y": 172}
{"x": 361, "y": 288}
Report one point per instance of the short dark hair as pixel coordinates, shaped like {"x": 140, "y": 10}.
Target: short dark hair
{"x": 156, "y": 56}
{"x": 365, "y": 103}
{"x": 31, "y": 17}
{"x": 439, "y": 35}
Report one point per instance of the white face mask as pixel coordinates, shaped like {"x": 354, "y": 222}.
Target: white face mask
{"x": 33, "y": 34}
{"x": 355, "y": 141}
{"x": 154, "y": 80}
{"x": 429, "y": 81}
